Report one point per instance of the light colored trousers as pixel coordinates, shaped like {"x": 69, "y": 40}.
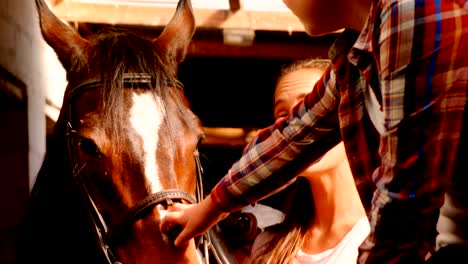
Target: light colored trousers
{"x": 453, "y": 218}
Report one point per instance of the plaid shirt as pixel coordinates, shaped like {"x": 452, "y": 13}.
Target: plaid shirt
{"x": 395, "y": 95}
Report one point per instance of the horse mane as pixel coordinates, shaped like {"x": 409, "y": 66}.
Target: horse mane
{"x": 288, "y": 236}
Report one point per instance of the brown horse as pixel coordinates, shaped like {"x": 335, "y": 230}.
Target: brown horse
{"x": 124, "y": 148}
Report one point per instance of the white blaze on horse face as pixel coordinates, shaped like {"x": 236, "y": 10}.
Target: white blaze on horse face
{"x": 146, "y": 116}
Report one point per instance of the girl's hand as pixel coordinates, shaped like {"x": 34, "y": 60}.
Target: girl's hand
{"x": 192, "y": 220}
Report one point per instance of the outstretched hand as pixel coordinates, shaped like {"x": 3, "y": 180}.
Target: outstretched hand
{"x": 192, "y": 220}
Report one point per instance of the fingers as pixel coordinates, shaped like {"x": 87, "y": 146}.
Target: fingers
{"x": 174, "y": 224}
{"x": 183, "y": 217}
{"x": 182, "y": 239}
{"x": 188, "y": 221}
{"x": 171, "y": 219}
{"x": 170, "y": 225}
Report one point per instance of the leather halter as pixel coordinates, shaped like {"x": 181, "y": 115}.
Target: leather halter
{"x": 103, "y": 233}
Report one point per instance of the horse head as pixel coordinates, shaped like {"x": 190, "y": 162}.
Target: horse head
{"x": 124, "y": 146}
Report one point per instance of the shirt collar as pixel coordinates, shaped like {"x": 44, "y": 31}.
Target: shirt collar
{"x": 341, "y": 47}
{"x": 364, "y": 42}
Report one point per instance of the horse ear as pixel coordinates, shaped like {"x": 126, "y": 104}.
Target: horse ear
{"x": 178, "y": 33}
{"x": 67, "y": 44}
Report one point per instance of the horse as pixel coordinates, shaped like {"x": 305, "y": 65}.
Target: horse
{"x": 124, "y": 148}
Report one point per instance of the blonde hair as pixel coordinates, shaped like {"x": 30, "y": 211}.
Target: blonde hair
{"x": 321, "y": 64}
{"x": 288, "y": 236}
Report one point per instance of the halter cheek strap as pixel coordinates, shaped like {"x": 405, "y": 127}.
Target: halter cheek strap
{"x": 100, "y": 229}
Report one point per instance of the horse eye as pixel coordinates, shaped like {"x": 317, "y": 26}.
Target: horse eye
{"x": 88, "y": 147}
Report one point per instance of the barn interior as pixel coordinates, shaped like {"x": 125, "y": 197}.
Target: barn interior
{"x": 228, "y": 75}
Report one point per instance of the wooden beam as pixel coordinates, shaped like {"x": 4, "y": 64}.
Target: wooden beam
{"x": 269, "y": 50}
{"x": 12, "y": 87}
{"x": 213, "y": 43}
{"x": 151, "y": 15}
{"x": 53, "y": 2}
{"x": 235, "y": 5}
{"x": 227, "y": 137}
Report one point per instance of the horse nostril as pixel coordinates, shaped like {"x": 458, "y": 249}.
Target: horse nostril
{"x": 173, "y": 232}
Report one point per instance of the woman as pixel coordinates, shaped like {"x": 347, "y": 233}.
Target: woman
{"x": 325, "y": 221}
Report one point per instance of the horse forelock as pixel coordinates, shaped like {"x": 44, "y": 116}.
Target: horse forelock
{"x": 143, "y": 109}
{"x": 119, "y": 52}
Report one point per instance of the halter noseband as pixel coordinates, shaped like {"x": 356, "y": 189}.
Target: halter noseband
{"x": 104, "y": 234}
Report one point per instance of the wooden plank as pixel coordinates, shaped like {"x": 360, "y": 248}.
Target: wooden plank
{"x": 259, "y": 50}
{"x": 266, "y": 44}
{"x": 227, "y": 137}
{"x": 11, "y": 87}
{"x": 160, "y": 16}
{"x": 235, "y": 5}
{"x": 53, "y": 2}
